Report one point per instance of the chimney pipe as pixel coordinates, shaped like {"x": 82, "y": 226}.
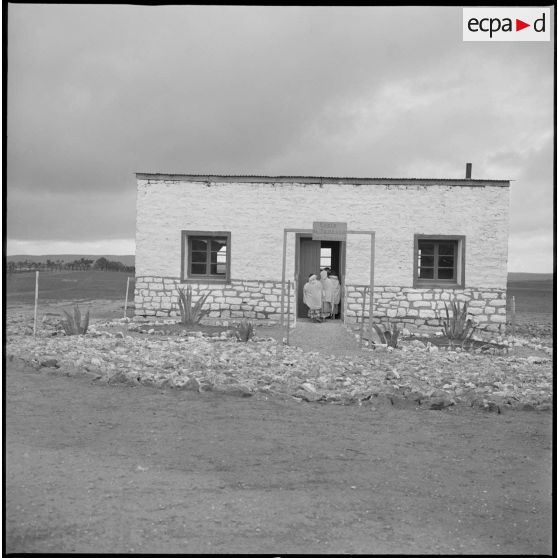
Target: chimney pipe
{"x": 468, "y": 169}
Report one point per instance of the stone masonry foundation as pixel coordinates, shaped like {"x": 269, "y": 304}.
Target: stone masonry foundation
{"x": 425, "y": 308}
{"x": 253, "y": 300}
{"x": 261, "y": 301}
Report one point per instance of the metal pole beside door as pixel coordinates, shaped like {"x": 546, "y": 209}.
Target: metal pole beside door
{"x": 288, "y": 310}
{"x": 362, "y": 317}
{"x": 283, "y": 273}
{"x": 371, "y": 302}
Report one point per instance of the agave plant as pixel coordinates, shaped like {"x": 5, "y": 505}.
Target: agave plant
{"x": 244, "y": 331}
{"x": 190, "y": 312}
{"x": 458, "y": 327}
{"x": 74, "y": 325}
{"x": 388, "y": 335}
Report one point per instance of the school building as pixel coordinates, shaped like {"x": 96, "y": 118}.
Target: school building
{"x": 252, "y": 241}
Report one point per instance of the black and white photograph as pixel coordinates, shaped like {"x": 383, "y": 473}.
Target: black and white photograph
{"x": 279, "y": 279}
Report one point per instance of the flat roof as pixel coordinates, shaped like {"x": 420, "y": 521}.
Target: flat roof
{"x": 318, "y": 179}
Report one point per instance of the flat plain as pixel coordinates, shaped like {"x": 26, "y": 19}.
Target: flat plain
{"x": 99, "y": 468}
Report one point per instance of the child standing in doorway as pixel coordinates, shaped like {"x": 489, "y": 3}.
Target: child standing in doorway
{"x": 327, "y": 298}
{"x": 312, "y": 297}
{"x": 336, "y": 287}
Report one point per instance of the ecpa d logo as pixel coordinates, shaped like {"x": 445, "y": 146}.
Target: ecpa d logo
{"x": 506, "y": 24}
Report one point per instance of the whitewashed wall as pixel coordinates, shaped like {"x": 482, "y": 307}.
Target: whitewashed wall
{"x": 257, "y": 213}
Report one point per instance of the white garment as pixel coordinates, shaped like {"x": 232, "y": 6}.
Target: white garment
{"x": 327, "y": 287}
{"x": 336, "y": 287}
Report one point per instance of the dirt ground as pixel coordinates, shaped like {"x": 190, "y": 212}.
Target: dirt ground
{"x": 94, "y": 468}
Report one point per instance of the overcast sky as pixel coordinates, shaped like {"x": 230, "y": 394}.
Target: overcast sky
{"x": 97, "y": 93}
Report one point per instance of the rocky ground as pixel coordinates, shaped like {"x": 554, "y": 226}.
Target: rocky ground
{"x": 418, "y": 374}
{"x": 393, "y": 456}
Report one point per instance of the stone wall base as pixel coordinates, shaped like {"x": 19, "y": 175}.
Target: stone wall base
{"x": 260, "y": 301}
{"x": 426, "y": 308}
{"x": 253, "y": 300}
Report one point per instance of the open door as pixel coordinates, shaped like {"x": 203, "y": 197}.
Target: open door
{"x": 313, "y": 256}
{"x": 308, "y": 262}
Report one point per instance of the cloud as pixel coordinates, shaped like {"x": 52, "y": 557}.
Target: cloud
{"x": 75, "y": 216}
{"x": 96, "y": 93}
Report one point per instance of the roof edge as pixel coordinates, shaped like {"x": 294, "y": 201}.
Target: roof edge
{"x": 318, "y": 179}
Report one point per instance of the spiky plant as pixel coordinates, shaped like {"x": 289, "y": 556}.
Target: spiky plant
{"x": 458, "y": 326}
{"x": 190, "y": 312}
{"x": 389, "y": 335}
{"x": 244, "y": 331}
{"x": 74, "y": 325}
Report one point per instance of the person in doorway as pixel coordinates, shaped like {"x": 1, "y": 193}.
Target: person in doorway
{"x": 336, "y": 299}
{"x": 312, "y": 297}
{"x": 327, "y": 296}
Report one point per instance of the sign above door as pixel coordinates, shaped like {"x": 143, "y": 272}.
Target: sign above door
{"x": 329, "y": 230}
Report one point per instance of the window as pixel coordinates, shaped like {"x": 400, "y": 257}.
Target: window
{"x": 325, "y": 257}
{"x": 205, "y": 256}
{"x": 439, "y": 260}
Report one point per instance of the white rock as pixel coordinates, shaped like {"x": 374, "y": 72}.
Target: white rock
{"x": 308, "y": 387}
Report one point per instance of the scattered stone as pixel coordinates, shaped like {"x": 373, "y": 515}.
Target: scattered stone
{"x": 494, "y": 408}
{"x": 121, "y": 378}
{"x": 49, "y": 363}
{"x": 306, "y": 386}
{"x": 306, "y": 396}
{"x": 404, "y": 403}
{"x": 378, "y": 401}
{"x": 439, "y": 403}
{"x": 392, "y": 375}
{"x": 416, "y": 396}
{"x": 237, "y": 390}
{"x": 203, "y": 362}
{"x": 192, "y": 385}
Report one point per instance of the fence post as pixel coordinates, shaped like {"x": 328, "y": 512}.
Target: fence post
{"x": 513, "y": 316}
{"x": 126, "y": 301}
{"x": 36, "y": 301}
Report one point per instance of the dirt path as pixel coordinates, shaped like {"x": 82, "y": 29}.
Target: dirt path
{"x": 329, "y": 337}
{"x": 93, "y": 468}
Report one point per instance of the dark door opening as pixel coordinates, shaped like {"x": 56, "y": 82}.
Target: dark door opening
{"x": 313, "y": 256}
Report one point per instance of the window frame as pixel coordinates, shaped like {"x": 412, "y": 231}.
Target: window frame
{"x": 185, "y": 276}
{"x": 459, "y": 280}
{"x": 329, "y": 258}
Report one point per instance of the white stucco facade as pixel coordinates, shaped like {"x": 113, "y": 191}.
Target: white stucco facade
{"x": 256, "y": 211}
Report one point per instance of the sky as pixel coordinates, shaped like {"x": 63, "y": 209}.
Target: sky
{"x": 97, "y": 93}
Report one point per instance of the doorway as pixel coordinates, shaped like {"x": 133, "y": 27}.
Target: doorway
{"x": 313, "y": 256}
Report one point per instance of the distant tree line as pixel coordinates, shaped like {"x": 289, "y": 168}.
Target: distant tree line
{"x": 82, "y": 264}
{"x": 107, "y": 265}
